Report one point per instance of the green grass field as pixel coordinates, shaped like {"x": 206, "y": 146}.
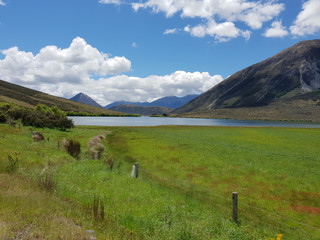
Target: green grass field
{"x": 184, "y": 190}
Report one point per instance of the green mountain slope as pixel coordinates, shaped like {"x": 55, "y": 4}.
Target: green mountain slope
{"x": 29, "y": 98}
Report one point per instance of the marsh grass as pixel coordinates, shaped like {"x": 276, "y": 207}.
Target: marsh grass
{"x": 47, "y": 181}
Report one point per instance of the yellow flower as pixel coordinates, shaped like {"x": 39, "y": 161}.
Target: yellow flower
{"x": 279, "y": 236}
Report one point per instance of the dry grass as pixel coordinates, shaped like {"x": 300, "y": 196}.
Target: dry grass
{"x": 26, "y": 212}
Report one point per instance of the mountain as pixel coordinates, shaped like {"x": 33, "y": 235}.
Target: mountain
{"x": 111, "y": 105}
{"x": 29, "y": 98}
{"x": 142, "y": 110}
{"x": 169, "y": 102}
{"x": 290, "y": 79}
{"x": 83, "y": 98}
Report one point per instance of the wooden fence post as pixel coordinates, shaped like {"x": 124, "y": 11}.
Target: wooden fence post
{"x": 137, "y": 169}
{"x": 235, "y": 206}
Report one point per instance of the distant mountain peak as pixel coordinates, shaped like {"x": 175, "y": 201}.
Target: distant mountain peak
{"x": 83, "y": 98}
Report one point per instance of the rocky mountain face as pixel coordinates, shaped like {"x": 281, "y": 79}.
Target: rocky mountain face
{"x": 83, "y": 98}
{"x": 142, "y": 110}
{"x": 293, "y": 72}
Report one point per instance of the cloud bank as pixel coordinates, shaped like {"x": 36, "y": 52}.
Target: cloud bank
{"x": 252, "y": 13}
{"x": 83, "y": 68}
{"x": 221, "y": 19}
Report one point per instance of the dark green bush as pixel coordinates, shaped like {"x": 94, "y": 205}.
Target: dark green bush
{"x": 3, "y": 118}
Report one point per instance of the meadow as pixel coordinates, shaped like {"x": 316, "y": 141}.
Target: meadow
{"x": 184, "y": 189}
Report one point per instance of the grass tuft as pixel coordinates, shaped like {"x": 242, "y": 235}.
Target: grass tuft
{"x": 47, "y": 180}
{"x": 73, "y": 147}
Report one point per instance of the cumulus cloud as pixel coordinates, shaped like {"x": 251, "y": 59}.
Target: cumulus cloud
{"x": 74, "y": 64}
{"x": 129, "y": 88}
{"x": 2, "y": 3}
{"x": 170, "y": 31}
{"x": 276, "y": 30}
{"x": 109, "y": 1}
{"x": 308, "y": 20}
{"x": 253, "y": 13}
{"x": 82, "y": 68}
{"x": 220, "y": 31}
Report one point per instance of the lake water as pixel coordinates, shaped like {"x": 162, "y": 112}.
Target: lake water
{"x": 160, "y": 121}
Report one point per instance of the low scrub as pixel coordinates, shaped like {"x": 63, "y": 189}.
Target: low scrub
{"x": 73, "y": 147}
{"x": 12, "y": 163}
{"x": 43, "y": 116}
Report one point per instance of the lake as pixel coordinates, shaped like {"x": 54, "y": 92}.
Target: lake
{"x": 160, "y": 121}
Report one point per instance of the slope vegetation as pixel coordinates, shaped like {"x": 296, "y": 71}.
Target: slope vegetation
{"x": 29, "y": 98}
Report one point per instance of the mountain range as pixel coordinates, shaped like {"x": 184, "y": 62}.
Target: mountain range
{"x": 158, "y": 107}
{"x": 169, "y": 102}
{"x": 285, "y": 86}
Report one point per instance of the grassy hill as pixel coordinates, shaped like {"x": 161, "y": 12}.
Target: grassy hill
{"x": 29, "y": 98}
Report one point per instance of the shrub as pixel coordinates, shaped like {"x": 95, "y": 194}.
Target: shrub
{"x": 3, "y": 118}
{"x": 12, "y": 163}
{"x": 73, "y": 147}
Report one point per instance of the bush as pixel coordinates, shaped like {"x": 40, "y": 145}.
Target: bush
{"x": 3, "y": 118}
{"x": 12, "y": 163}
{"x": 73, "y": 147}
{"x": 43, "y": 116}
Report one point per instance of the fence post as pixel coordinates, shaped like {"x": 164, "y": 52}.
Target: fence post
{"x": 137, "y": 169}
{"x": 235, "y": 206}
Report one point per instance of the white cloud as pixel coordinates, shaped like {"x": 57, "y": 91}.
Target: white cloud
{"x": 253, "y": 13}
{"x": 2, "y": 3}
{"x": 109, "y": 1}
{"x": 74, "y": 64}
{"x": 134, "y": 44}
{"x": 308, "y": 20}
{"x": 220, "y": 31}
{"x": 276, "y": 30}
{"x": 170, "y": 31}
{"x": 82, "y": 68}
{"x": 136, "y": 89}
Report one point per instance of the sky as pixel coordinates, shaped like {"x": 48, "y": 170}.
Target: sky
{"x": 142, "y": 50}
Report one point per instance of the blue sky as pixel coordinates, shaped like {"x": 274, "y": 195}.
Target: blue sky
{"x": 143, "y": 49}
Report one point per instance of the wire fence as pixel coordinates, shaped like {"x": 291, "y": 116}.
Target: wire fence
{"x": 248, "y": 212}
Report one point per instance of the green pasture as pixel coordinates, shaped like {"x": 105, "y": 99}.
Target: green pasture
{"x": 184, "y": 190}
